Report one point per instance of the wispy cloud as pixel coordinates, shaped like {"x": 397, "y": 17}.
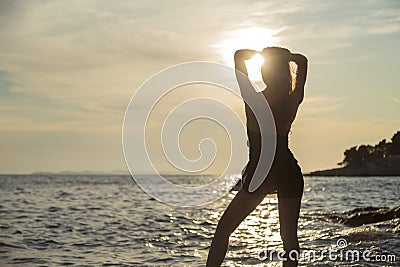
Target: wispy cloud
{"x": 395, "y": 99}
{"x": 74, "y": 65}
{"x": 344, "y": 61}
{"x": 320, "y": 106}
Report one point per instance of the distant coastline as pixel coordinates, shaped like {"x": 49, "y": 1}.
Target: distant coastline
{"x": 389, "y": 167}
{"x": 382, "y": 159}
{"x": 114, "y": 172}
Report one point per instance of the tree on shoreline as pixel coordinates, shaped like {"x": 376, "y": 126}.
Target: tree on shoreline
{"x": 358, "y": 155}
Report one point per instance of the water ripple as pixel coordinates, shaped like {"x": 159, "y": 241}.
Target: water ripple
{"x": 107, "y": 221}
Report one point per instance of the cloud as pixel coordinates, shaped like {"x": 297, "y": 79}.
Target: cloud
{"x": 74, "y": 65}
{"x": 344, "y": 61}
{"x": 395, "y": 99}
{"x": 320, "y": 106}
{"x": 94, "y": 54}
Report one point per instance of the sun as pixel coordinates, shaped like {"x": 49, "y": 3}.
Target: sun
{"x": 253, "y": 66}
{"x": 251, "y": 38}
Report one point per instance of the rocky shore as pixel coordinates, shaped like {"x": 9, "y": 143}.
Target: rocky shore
{"x": 367, "y": 215}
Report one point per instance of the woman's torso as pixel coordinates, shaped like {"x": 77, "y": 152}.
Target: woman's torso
{"x": 284, "y": 109}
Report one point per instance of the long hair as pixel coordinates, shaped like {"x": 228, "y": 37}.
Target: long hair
{"x": 277, "y": 67}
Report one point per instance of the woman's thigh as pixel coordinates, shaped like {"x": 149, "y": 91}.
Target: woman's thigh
{"x": 289, "y": 181}
{"x": 240, "y": 207}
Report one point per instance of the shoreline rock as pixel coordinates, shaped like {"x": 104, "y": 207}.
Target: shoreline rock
{"x": 369, "y": 215}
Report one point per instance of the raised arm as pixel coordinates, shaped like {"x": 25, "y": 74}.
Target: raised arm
{"x": 246, "y": 88}
{"x": 242, "y": 55}
{"x": 301, "y": 77}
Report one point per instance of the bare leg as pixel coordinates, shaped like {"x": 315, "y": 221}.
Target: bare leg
{"x": 289, "y": 209}
{"x": 241, "y": 206}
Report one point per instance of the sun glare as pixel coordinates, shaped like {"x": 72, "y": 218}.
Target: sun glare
{"x": 253, "y": 66}
{"x": 251, "y": 38}
{"x": 248, "y": 38}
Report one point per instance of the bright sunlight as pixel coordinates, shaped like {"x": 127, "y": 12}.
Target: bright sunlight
{"x": 252, "y": 38}
{"x": 253, "y": 66}
{"x": 248, "y": 38}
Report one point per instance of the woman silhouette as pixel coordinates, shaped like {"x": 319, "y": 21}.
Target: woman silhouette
{"x": 284, "y": 95}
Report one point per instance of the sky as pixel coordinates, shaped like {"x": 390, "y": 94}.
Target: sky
{"x": 68, "y": 70}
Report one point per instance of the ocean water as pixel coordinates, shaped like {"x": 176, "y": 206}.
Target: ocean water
{"x": 110, "y": 221}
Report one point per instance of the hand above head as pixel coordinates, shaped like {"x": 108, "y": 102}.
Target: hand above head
{"x": 299, "y": 59}
{"x": 245, "y": 54}
{"x": 241, "y": 56}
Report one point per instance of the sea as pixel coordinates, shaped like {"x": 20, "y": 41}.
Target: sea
{"x": 107, "y": 220}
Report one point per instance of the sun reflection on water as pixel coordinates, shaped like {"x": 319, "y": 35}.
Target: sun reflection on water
{"x": 262, "y": 224}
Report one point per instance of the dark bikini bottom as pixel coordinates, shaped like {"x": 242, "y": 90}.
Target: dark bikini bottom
{"x": 284, "y": 177}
